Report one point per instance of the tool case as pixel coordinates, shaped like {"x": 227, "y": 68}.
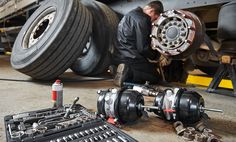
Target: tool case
{"x": 50, "y": 125}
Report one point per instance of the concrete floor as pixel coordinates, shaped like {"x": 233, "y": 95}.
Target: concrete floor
{"x": 18, "y": 93}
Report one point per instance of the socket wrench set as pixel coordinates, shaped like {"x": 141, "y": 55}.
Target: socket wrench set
{"x": 70, "y": 123}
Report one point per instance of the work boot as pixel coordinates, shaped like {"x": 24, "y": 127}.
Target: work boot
{"x": 121, "y": 74}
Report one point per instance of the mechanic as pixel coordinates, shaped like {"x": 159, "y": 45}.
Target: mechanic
{"x": 133, "y": 50}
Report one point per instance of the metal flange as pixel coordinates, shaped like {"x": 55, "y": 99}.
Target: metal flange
{"x": 177, "y": 33}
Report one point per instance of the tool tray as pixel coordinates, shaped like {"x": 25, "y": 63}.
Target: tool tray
{"x": 50, "y": 125}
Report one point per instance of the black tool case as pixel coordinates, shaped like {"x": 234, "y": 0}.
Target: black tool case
{"x": 50, "y": 125}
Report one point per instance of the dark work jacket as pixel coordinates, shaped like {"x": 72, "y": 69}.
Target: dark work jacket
{"x": 134, "y": 38}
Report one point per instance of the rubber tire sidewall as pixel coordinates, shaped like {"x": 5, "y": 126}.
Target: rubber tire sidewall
{"x": 88, "y": 63}
{"x": 22, "y": 58}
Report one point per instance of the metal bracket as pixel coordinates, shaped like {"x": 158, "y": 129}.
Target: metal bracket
{"x": 223, "y": 70}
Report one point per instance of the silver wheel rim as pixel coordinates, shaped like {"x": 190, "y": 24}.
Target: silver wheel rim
{"x": 39, "y": 28}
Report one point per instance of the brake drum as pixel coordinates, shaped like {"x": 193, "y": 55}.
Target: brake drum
{"x": 177, "y": 34}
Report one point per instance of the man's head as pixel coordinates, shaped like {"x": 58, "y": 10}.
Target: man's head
{"x": 153, "y": 9}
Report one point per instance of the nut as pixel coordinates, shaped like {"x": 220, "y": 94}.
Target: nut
{"x": 188, "y": 136}
{"x": 191, "y": 129}
{"x": 179, "y": 128}
{"x": 178, "y": 123}
{"x": 200, "y": 138}
{"x": 200, "y": 126}
{"x": 212, "y": 138}
{"x": 206, "y": 130}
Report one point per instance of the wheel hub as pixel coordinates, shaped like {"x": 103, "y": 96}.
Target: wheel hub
{"x": 172, "y": 33}
{"x": 175, "y": 32}
{"x": 40, "y": 29}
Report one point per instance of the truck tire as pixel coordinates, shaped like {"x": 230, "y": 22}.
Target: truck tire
{"x": 208, "y": 67}
{"x": 97, "y": 57}
{"x": 52, "y": 39}
{"x": 113, "y": 22}
{"x": 196, "y": 60}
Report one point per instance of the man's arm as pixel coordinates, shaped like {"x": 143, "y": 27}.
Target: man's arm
{"x": 143, "y": 40}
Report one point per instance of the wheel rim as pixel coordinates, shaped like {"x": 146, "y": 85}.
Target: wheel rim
{"x": 87, "y": 47}
{"x": 176, "y": 32}
{"x": 39, "y": 28}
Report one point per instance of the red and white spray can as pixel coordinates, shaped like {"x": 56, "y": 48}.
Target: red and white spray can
{"x": 57, "y": 94}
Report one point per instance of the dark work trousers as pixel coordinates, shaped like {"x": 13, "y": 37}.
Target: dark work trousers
{"x": 142, "y": 72}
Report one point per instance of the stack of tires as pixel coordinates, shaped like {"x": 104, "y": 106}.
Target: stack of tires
{"x": 65, "y": 33}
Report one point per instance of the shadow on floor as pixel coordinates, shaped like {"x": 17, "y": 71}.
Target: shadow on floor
{"x": 151, "y": 124}
{"x": 223, "y": 127}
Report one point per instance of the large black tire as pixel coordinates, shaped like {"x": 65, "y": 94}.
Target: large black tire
{"x": 113, "y": 22}
{"x": 52, "y": 39}
{"x": 97, "y": 58}
{"x": 197, "y": 60}
{"x": 209, "y": 67}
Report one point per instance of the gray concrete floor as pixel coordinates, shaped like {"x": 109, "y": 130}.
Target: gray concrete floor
{"x": 18, "y": 93}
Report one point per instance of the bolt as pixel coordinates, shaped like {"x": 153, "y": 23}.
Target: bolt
{"x": 180, "y": 130}
{"x": 176, "y": 12}
{"x": 155, "y": 24}
{"x": 206, "y": 130}
{"x": 153, "y": 36}
{"x": 170, "y": 24}
{"x": 164, "y": 15}
{"x": 179, "y": 127}
{"x": 183, "y": 34}
{"x": 212, "y": 138}
{"x": 188, "y": 136}
{"x": 199, "y": 138}
{"x": 191, "y": 129}
{"x": 200, "y": 126}
{"x": 179, "y": 51}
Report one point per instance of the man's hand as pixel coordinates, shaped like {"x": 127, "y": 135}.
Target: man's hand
{"x": 164, "y": 61}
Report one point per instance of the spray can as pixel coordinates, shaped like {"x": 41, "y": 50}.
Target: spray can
{"x": 57, "y": 94}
